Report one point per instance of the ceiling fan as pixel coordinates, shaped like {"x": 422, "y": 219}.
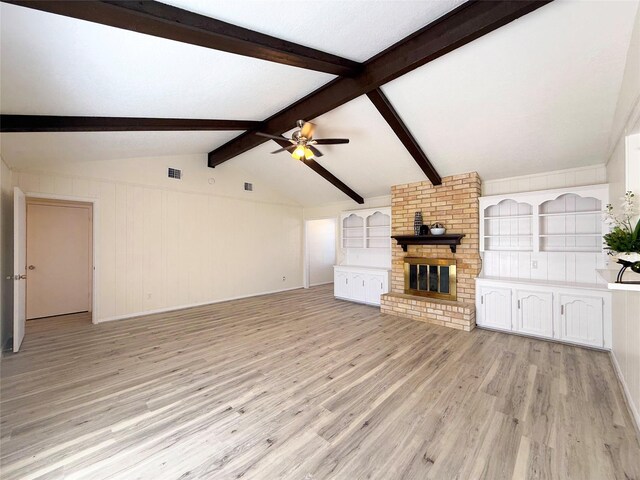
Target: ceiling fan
{"x": 302, "y": 141}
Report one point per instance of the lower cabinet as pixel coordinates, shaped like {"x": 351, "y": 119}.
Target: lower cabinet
{"x": 569, "y": 314}
{"x": 581, "y": 319}
{"x": 534, "y": 313}
{"x": 360, "y": 284}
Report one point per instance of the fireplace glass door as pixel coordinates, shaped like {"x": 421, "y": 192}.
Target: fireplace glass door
{"x": 430, "y": 277}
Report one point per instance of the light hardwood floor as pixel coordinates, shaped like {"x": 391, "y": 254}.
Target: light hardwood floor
{"x": 298, "y": 385}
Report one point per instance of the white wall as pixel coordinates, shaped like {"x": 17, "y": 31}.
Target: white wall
{"x": 626, "y": 305}
{"x": 571, "y": 177}
{"x": 163, "y": 243}
{"x": 6, "y": 253}
{"x": 321, "y": 250}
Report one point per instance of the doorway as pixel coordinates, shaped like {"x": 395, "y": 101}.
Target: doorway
{"x": 320, "y": 251}
{"x": 59, "y": 257}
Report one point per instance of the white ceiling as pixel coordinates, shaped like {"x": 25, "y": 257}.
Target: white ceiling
{"x": 354, "y": 29}
{"x": 538, "y": 94}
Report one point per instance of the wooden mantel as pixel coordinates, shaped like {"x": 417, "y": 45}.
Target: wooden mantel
{"x": 450, "y": 239}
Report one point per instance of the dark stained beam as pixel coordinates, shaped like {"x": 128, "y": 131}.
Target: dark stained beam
{"x": 166, "y": 21}
{"x": 326, "y": 174}
{"x": 50, "y": 123}
{"x": 381, "y": 102}
{"x": 461, "y": 26}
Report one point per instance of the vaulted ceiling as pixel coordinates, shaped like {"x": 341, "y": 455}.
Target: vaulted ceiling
{"x": 536, "y": 94}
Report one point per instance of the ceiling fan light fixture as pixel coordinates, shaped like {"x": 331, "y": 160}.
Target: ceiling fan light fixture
{"x": 308, "y": 154}
{"x": 300, "y": 152}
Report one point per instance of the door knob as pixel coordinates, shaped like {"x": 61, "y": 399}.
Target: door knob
{"x": 32, "y": 267}
{"x": 19, "y": 277}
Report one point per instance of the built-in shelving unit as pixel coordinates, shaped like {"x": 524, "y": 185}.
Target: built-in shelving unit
{"x": 365, "y": 269}
{"x": 507, "y": 226}
{"x": 541, "y": 252}
{"x": 571, "y": 223}
{"x": 369, "y": 228}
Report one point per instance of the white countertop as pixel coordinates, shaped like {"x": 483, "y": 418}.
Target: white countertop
{"x": 359, "y": 267}
{"x": 609, "y": 276}
{"x": 546, "y": 283}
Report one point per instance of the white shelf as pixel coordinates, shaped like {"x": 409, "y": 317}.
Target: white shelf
{"x": 571, "y": 235}
{"x": 529, "y": 235}
{"x": 560, "y": 214}
{"x": 506, "y": 217}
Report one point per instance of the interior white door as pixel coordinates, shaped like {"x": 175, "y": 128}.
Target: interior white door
{"x": 19, "y": 267}
{"x": 58, "y": 259}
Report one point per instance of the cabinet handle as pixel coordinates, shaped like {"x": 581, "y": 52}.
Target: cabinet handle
{"x": 518, "y": 304}
{"x": 481, "y": 299}
{"x": 363, "y": 283}
{"x": 561, "y": 309}
{"x": 347, "y": 281}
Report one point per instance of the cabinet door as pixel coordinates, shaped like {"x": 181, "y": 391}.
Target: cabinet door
{"x": 357, "y": 287}
{"x": 534, "y": 313}
{"x": 375, "y": 288}
{"x": 495, "y": 307}
{"x": 581, "y": 320}
{"x": 341, "y": 284}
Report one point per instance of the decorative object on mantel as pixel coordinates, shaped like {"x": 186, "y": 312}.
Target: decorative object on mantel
{"x": 417, "y": 222}
{"x": 424, "y": 230}
{"x": 452, "y": 240}
{"x": 623, "y": 241}
{"x": 438, "y": 229}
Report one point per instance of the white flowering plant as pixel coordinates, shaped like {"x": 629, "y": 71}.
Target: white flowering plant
{"x": 624, "y": 237}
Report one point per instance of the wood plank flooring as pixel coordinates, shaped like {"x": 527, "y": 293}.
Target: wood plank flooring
{"x": 298, "y": 385}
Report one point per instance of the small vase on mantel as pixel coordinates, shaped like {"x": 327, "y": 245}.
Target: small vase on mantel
{"x": 417, "y": 223}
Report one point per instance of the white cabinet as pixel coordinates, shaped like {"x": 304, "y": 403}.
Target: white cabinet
{"x": 360, "y": 284}
{"x": 581, "y": 319}
{"x": 534, "y": 313}
{"x": 495, "y": 307}
{"x": 375, "y": 288}
{"x": 341, "y": 284}
{"x": 570, "y": 314}
{"x": 368, "y": 228}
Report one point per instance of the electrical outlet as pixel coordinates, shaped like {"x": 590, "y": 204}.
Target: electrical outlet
{"x": 534, "y": 264}
{"x": 284, "y": 279}
{"x": 148, "y": 296}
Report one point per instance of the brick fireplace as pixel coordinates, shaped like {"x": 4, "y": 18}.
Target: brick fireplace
{"x": 455, "y": 204}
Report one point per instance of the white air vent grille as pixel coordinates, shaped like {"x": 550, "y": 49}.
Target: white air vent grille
{"x": 175, "y": 173}
{"x": 248, "y": 186}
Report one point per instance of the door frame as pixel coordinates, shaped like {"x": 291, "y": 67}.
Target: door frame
{"x": 305, "y": 245}
{"x": 94, "y": 239}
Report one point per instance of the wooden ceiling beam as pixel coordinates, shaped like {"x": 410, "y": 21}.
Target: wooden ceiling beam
{"x": 326, "y": 174}
{"x": 166, "y": 21}
{"x": 382, "y": 104}
{"x": 461, "y": 26}
{"x": 51, "y": 123}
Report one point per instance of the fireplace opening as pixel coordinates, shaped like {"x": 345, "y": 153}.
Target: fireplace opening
{"x": 430, "y": 277}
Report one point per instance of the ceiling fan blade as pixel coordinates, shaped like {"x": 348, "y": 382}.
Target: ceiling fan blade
{"x": 307, "y": 130}
{"x": 287, "y": 149}
{"x": 330, "y": 141}
{"x": 316, "y": 152}
{"x": 273, "y": 137}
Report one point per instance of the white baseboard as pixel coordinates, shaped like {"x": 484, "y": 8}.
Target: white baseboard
{"x": 321, "y": 283}
{"x": 191, "y": 305}
{"x": 627, "y": 394}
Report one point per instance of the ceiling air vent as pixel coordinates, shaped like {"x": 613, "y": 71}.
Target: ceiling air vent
{"x": 174, "y": 173}
{"x": 248, "y": 186}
